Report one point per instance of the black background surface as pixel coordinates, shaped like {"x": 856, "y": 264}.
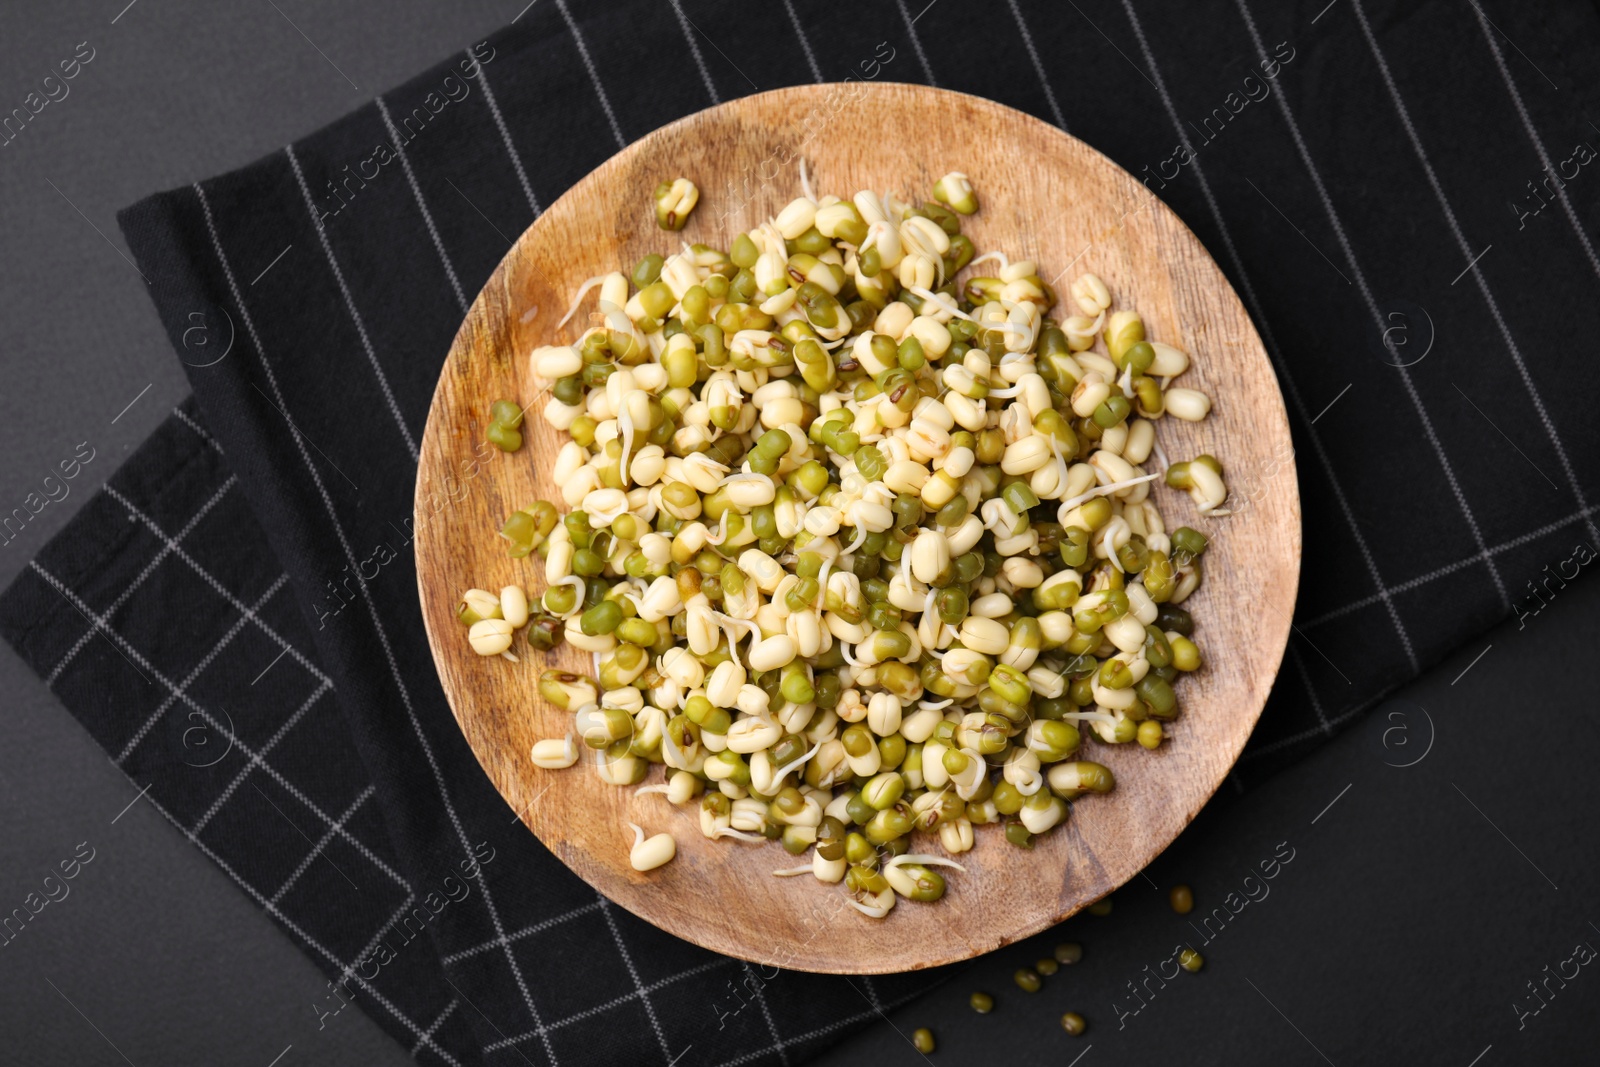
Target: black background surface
{"x": 1406, "y": 926}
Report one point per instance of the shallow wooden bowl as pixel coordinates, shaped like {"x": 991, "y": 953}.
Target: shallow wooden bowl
{"x": 1044, "y": 196}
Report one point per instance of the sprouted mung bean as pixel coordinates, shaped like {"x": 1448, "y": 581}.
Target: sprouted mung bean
{"x": 865, "y": 553}
{"x": 674, "y": 201}
{"x": 505, "y": 426}
{"x": 649, "y": 853}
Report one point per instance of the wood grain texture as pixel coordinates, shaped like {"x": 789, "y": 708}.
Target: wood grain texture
{"x": 1044, "y": 196}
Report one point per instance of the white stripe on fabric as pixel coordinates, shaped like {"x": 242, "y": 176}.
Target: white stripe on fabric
{"x": 1533, "y": 135}
{"x": 1377, "y": 316}
{"x": 1260, "y": 317}
{"x": 633, "y": 972}
{"x": 173, "y": 696}
{"x": 1038, "y": 66}
{"x": 140, "y": 578}
{"x": 505, "y": 135}
{"x": 766, "y": 1013}
{"x": 184, "y": 418}
{"x": 1477, "y": 272}
{"x": 350, "y": 305}
{"x": 916, "y": 43}
{"x": 615, "y": 1002}
{"x": 526, "y": 931}
{"x": 258, "y": 759}
{"x": 1460, "y": 564}
{"x": 594, "y": 74}
{"x": 1351, "y": 711}
{"x": 294, "y": 928}
{"x": 821, "y": 1031}
{"x": 222, "y": 590}
{"x": 433, "y": 1027}
{"x": 141, "y": 660}
{"x": 422, "y": 205}
{"x": 805, "y": 45}
{"x": 322, "y": 842}
{"x": 389, "y": 924}
{"x": 372, "y": 608}
{"x": 694, "y": 50}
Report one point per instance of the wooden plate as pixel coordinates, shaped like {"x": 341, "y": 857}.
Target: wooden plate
{"x": 1044, "y": 196}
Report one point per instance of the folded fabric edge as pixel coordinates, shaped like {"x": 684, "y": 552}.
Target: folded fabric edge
{"x": 100, "y": 538}
{"x": 90, "y": 541}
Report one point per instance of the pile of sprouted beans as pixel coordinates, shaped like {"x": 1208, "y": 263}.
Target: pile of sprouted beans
{"x": 862, "y": 550}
